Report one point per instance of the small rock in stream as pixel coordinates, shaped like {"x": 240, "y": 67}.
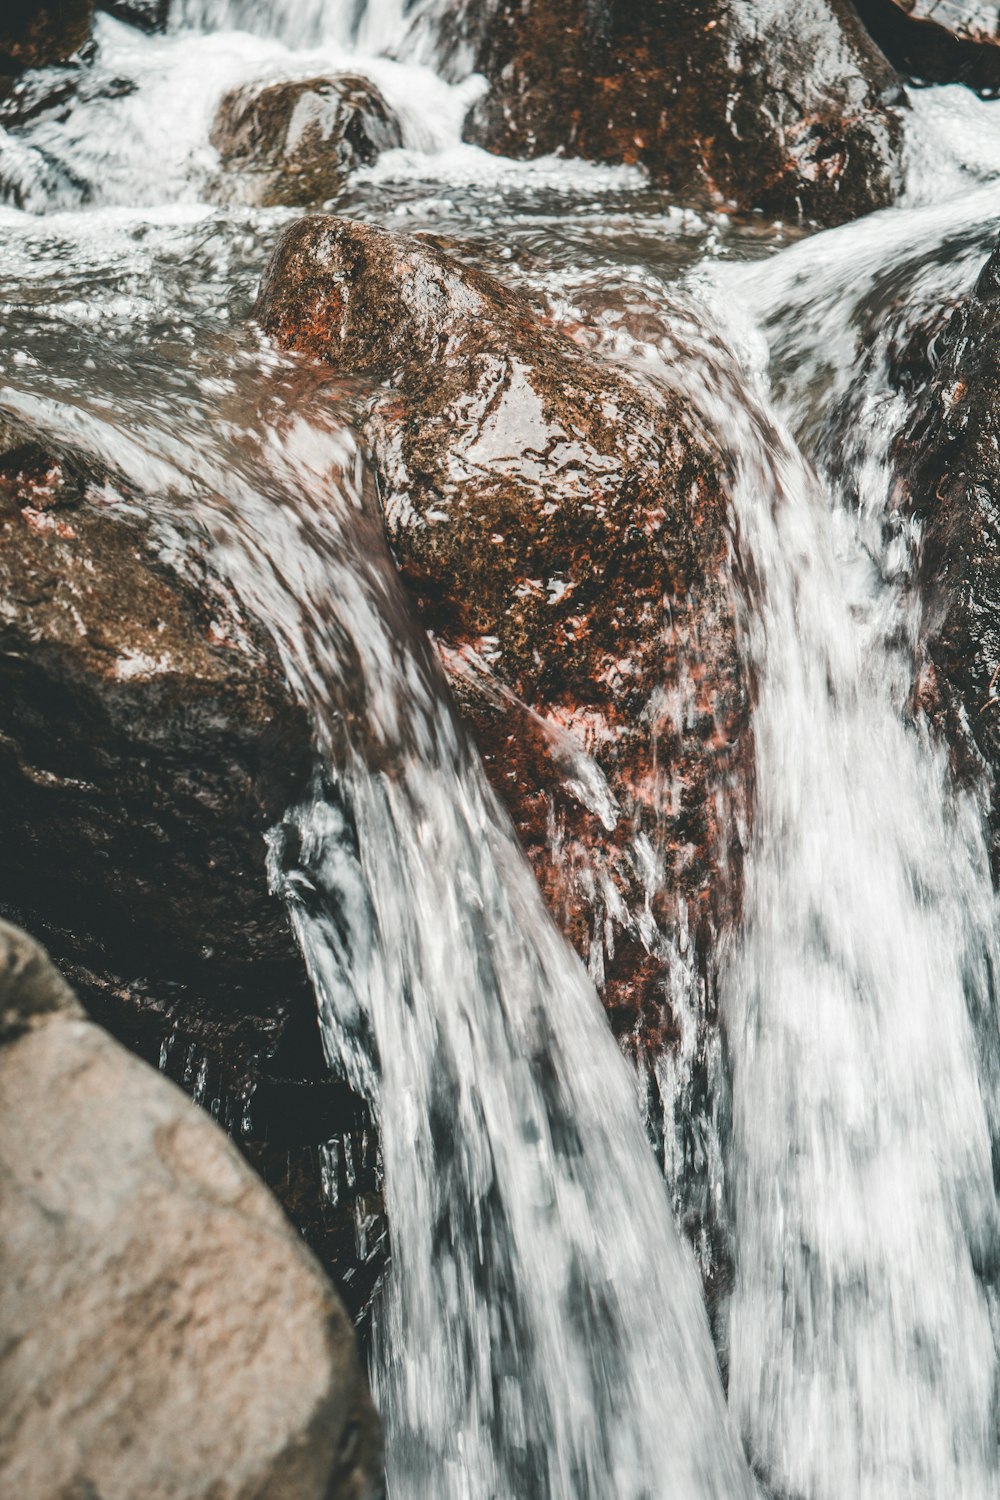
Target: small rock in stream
{"x": 293, "y": 143}
{"x": 163, "y": 1333}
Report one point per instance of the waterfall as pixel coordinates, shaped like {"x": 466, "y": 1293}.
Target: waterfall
{"x": 373, "y": 26}
{"x": 542, "y": 1334}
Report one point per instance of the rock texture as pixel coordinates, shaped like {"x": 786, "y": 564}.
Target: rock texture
{"x": 293, "y": 143}
{"x": 34, "y": 34}
{"x": 164, "y": 1334}
{"x": 563, "y": 530}
{"x": 948, "y": 460}
{"x": 148, "y": 15}
{"x": 148, "y": 739}
{"x": 783, "y": 107}
{"x": 930, "y": 43}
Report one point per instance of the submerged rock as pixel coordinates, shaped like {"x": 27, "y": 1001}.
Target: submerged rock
{"x": 563, "y": 531}
{"x": 164, "y": 1333}
{"x": 784, "y": 107}
{"x": 293, "y": 143}
{"x": 948, "y": 462}
{"x": 148, "y": 739}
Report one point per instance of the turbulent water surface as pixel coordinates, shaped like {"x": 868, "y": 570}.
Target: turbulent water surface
{"x": 541, "y": 1333}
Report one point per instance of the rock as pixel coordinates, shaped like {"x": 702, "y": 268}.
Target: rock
{"x": 164, "y": 1333}
{"x": 148, "y": 15}
{"x": 563, "y": 531}
{"x": 39, "y": 36}
{"x": 783, "y": 108}
{"x": 930, "y": 43}
{"x": 148, "y": 739}
{"x": 293, "y": 143}
{"x": 35, "y": 33}
{"x": 948, "y": 466}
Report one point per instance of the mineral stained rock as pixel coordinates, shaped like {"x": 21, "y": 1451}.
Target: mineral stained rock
{"x": 293, "y": 143}
{"x": 562, "y": 529}
{"x": 785, "y": 108}
{"x": 165, "y": 1334}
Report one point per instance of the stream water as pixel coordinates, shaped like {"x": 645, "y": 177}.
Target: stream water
{"x": 541, "y": 1335}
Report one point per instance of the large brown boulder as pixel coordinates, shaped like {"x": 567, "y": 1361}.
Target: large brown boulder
{"x": 293, "y": 143}
{"x": 784, "y": 107}
{"x": 948, "y": 463}
{"x": 562, "y": 528}
{"x": 162, "y": 1331}
{"x": 148, "y": 740}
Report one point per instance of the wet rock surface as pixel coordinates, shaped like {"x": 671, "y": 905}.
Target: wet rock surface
{"x": 165, "y": 1333}
{"x": 41, "y": 49}
{"x": 148, "y": 15}
{"x": 293, "y": 143}
{"x": 935, "y": 44}
{"x": 784, "y": 108}
{"x": 33, "y": 35}
{"x": 948, "y": 461}
{"x": 148, "y": 739}
{"x": 563, "y": 531}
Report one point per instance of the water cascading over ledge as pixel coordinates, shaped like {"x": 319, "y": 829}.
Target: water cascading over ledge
{"x": 542, "y": 1314}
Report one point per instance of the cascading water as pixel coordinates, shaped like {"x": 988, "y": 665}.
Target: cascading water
{"x": 541, "y": 1334}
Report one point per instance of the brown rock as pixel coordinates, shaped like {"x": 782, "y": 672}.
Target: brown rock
{"x": 773, "y": 107}
{"x": 148, "y": 739}
{"x": 562, "y": 528}
{"x": 164, "y": 1334}
{"x": 293, "y": 143}
{"x": 35, "y": 33}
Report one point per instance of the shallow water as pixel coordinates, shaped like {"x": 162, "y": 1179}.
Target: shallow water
{"x": 541, "y": 1333}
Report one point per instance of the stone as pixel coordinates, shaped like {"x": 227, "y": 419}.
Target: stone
{"x": 293, "y": 143}
{"x": 36, "y": 33}
{"x": 148, "y": 15}
{"x": 148, "y": 741}
{"x": 936, "y": 43}
{"x": 786, "y": 108}
{"x": 947, "y": 463}
{"x": 164, "y": 1332}
{"x": 563, "y": 532}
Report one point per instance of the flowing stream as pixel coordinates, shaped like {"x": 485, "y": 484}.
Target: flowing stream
{"x": 542, "y": 1334}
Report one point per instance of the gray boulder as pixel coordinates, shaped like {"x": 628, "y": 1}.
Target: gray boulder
{"x": 163, "y": 1334}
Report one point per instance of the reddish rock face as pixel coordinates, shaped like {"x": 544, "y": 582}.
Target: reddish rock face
{"x": 948, "y": 460}
{"x": 293, "y": 143}
{"x": 782, "y": 108}
{"x": 562, "y": 528}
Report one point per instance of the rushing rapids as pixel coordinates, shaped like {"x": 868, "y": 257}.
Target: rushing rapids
{"x": 826, "y": 1121}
